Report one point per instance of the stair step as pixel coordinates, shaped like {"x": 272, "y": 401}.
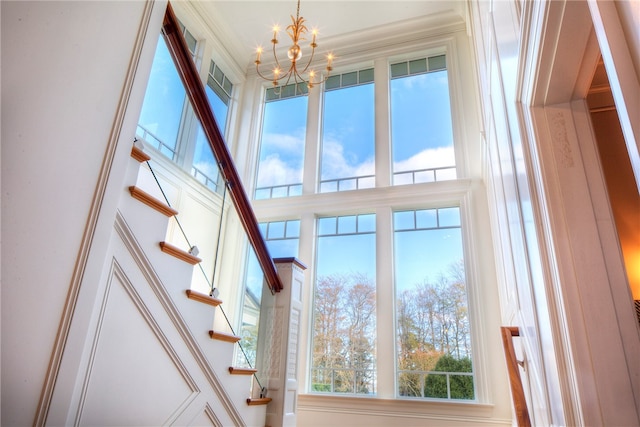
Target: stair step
{"x": 139, "y": 155}
{"x": 242, "y": 371}
{"x": 224, "y": 337}
{"x": 204, "y": 298}
{"x": 168, "y": 248}
{"x": 151, "y": 201}
{"x": 258, "y": 401}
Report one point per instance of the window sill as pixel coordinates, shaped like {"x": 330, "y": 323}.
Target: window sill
{"x": 432, "y": 409}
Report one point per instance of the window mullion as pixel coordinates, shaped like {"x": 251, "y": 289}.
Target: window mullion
{"x": 312, "y": 141}
{"x": 306, "y": 253}
{"x": 382, "y": 128}
{"x": 385, "y": 346}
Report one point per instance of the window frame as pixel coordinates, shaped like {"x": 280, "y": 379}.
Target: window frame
{"x": 336, "y": 233}
{"x": 384, "y": 198}
{"x": 363, "y": 76}
{"x": 270, "y": 95}
{"x": 465, "y": 253}
{"x": 434, "y": 172}
{"x": 184, "y": 151}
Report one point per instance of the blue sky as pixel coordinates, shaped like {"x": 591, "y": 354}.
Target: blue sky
{"x": 421, "y": 131}
{"x": 164, "y": 99}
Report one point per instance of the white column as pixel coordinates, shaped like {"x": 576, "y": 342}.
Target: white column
{"x": 282, "y": 314}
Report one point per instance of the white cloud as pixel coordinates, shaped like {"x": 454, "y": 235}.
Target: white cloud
{"x": 336, "y": 165}
{"x": 283, "y": 143}
{"x": 427, "y": 159}
{"x": 425, "y": 81}
{"x": 273, "y": 171}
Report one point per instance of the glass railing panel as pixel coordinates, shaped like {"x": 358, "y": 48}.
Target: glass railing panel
{"x": 215, "y": 221}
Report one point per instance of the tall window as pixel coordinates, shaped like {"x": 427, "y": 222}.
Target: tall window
{"x": 167, "y": 121}
{"x": 204, "y": 166}
{"x": 405, "y": 333}
{"x": 282, "y": 145}
{"x": 163, "y": 106}
{"x": 421, "y": 130}
{"x": 433, "y": 336}
{"x": 282, "y": 239}
{"x": 348, "y": 132}
{"x": 344, "y": 306}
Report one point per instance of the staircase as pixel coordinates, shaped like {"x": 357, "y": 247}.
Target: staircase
{"x": 194, "y": 376}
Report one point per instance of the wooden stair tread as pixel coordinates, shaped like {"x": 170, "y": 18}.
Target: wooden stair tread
{"x": 139, "y": 155}
{"x": 258, "y": 401}
{"x": 242, "y": 371}
{"x": 203, "y": 298}
{"x": 151, "y": 201}
{"x": 223, "y": 336}
{"x": 185, "y": 256}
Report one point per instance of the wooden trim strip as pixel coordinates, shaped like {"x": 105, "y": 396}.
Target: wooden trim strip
{"x": 290, "y": 260}
{"x": 517, "y": 391}
{"x": 198, "y": 98}
{"x": 151, "y": 201}
{"x": 139, "y": 155}
{"x": 223, "y": 337}
{"x": 203, "y": 298}
{"x": 169, "y": 249}
{"x": 241, "y": 371}
{"x": 258, "y": 401}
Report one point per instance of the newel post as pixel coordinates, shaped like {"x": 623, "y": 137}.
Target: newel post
{"x": 280, "y": 318}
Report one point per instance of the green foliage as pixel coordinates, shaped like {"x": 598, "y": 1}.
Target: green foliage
{"x": 323, "y": 388}
{"x": 461, "y": 386}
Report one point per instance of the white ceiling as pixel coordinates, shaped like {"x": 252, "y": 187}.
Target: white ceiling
{"x": 248, "y": 23}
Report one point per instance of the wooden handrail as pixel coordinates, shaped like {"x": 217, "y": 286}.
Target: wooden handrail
{"x": 195, "y": 91}
{"x": 517, "y": 391}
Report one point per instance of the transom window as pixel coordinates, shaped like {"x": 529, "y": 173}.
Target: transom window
{"x": 283, "y": 143}
{"x": 348, "y": 138}
{"x": 421, "y": 128}
{"x": 218, "y": 90}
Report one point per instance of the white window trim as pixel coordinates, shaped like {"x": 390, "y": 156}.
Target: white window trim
{"x": 465, "y": 192}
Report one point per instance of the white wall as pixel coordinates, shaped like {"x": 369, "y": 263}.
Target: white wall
{"x": 561, "y": 274}
{"x": 65, "y": 69}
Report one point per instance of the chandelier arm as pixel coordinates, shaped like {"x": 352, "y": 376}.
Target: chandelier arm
{"x": 260, "y": 74}
{"x": 275, "y": 56}
{"x": 313, "y": 51}
{"x": 288, "y": 79}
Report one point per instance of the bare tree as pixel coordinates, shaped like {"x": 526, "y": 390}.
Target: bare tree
{"x": 432, "y": 321}
{"x": 344, "y": 332}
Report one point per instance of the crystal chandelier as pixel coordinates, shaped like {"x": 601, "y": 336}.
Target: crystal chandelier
{"x": 296, "y": 32}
